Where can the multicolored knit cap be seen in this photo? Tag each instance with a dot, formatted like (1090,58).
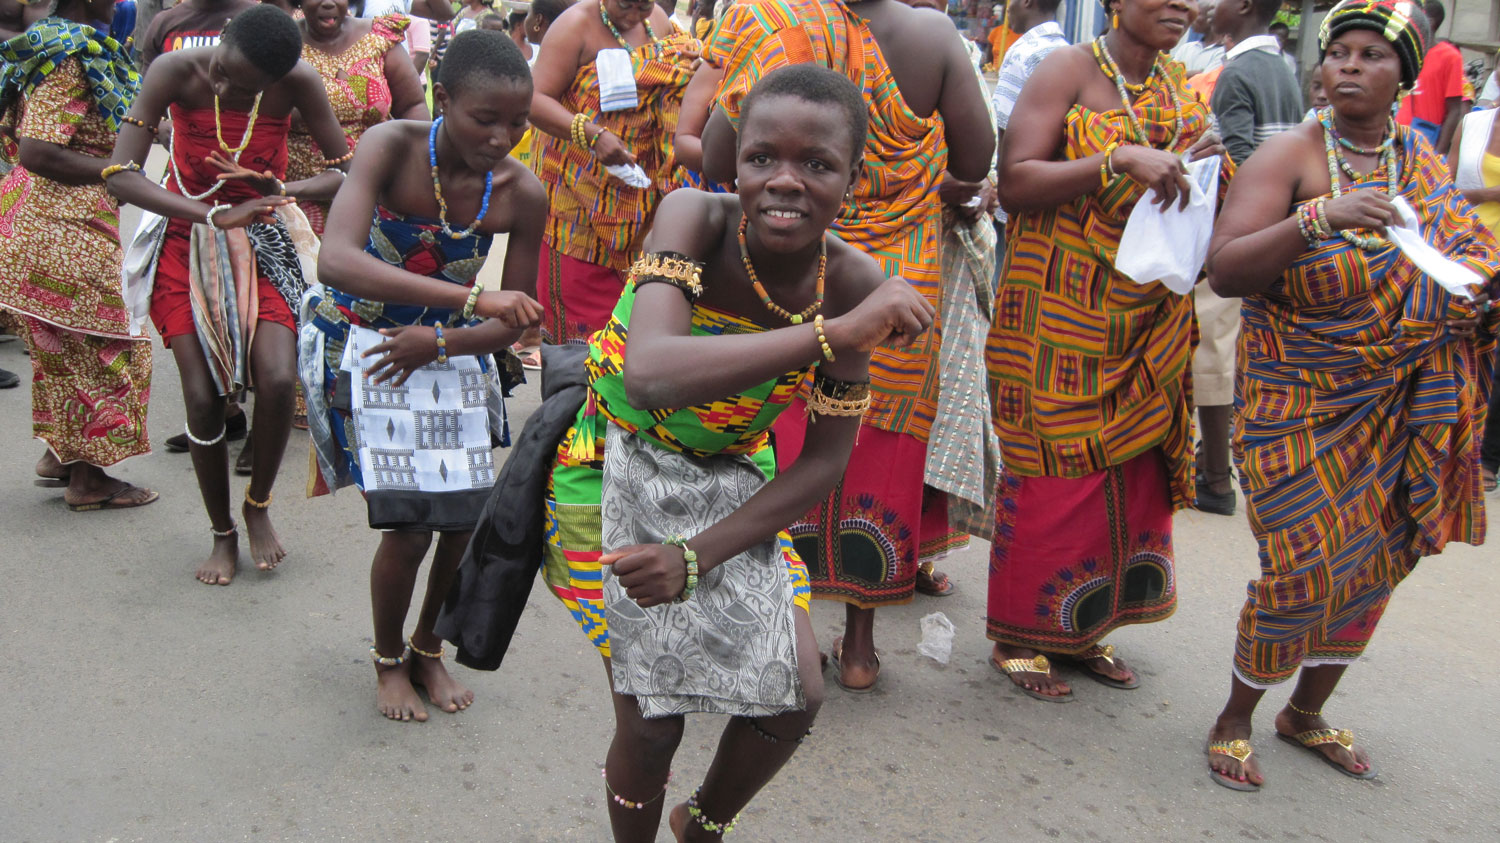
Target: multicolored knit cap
(1401,22)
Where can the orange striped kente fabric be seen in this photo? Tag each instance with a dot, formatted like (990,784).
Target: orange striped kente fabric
(1089,369)
(593,216)
(1358,415)
(896,216)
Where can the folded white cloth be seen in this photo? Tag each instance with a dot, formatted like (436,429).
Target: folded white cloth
(631,174)
(1452,276)
(1169,245)
(616,80)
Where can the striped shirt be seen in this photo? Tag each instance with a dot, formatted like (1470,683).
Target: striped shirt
(1021,61)
(1256,96)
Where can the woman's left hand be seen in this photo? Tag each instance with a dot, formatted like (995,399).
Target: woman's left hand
(651,574)
(265,182)
(1209,144)
(1465,325)
(407,349)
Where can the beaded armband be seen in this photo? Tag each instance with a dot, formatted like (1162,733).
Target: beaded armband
(135,121)
(673,268)
(113,169)
(342,159)
(833,397)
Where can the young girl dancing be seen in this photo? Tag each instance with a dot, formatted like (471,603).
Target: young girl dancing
(401,395)
(226,249)
(739,302)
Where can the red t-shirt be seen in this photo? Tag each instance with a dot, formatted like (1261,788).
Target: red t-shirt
(186,25)
(1441,79)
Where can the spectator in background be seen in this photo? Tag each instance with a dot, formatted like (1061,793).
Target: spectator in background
(1283,34)
(1254,96)
(1036,20)
(1200,50)
(418,35)
(192,23)
(1436,102)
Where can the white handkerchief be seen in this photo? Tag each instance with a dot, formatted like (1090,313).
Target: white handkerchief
(616,80)
(631,174)
(1169,245)
(1450,275)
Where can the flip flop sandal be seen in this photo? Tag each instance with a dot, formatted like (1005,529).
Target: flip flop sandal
(110,502)
(1238,749)
(531,358)
(932,586)
(48,482)
(1314,738)
(1106,652)
(835,658)
(1033,665)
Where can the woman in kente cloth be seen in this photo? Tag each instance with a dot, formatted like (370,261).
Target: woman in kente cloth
(402,396)
(64,92)
(609,84)
(1089,370)
(220,262)
(369,79)
(668,465)
(1362,382)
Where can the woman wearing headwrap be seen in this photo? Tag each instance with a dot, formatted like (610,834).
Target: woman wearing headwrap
(1362,383)
(63,94)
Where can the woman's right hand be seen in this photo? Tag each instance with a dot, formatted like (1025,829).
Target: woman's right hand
(610,150)
(1361,209)
(261,209)
(515,310)
(1155,168)
(895,314)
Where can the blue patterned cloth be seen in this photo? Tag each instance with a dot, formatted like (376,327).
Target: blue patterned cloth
(32,56)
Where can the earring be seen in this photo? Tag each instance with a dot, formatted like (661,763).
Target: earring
(1114,20)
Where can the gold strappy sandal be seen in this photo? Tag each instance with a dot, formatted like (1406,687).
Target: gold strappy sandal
(1238,749)
(1314,738)
(1039,664)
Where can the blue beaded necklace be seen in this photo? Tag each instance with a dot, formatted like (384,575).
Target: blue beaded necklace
(437,189)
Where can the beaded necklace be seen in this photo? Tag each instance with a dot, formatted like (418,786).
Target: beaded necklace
(249,127)
(437,189)
(1107,64)
(219,132)
(765,298)
(1392,177)
(1325,117)
(650,33)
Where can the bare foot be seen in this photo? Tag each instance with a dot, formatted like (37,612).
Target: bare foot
(1291,724)
(221,563)
(265,546)
(49,469)
(442,689)
(678,822)
(1226,766)
(394,695)
(1046,684)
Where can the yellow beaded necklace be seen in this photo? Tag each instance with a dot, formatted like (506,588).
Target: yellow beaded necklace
(249,127)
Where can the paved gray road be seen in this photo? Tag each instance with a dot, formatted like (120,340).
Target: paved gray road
(145,706)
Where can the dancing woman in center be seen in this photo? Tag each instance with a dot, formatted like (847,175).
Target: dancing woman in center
(668,465)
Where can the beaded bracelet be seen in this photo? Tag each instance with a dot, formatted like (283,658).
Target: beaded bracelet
(138,122)
(1304,224)
(342,159)
(1107,169)
(114,169)
(822,338)
(1320,219)
(473,302)
(577,129)
(209,217)
(442,344)
(690,557)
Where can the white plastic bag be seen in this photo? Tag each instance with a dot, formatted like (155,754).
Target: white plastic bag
(1450,275)
(937,637)
(1167,244)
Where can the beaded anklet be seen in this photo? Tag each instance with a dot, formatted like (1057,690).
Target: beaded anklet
(627,803)
(387,661)
(1304,713)
(224,534)
(265,504)
(412,645)
(770,738)
(696,813)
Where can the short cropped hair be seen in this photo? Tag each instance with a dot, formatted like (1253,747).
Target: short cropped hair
(268,37)
(551,10)
(477,53)
(818,85)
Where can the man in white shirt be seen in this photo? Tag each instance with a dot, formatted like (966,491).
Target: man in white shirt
(1036,20)
(1204,53)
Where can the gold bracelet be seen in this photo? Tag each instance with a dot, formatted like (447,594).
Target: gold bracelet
(115,169)
(822,338)
(473,301)
(832,397)
(577,129)
(1107,169)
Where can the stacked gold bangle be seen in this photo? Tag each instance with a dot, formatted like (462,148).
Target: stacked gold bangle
(114,169)
(1107,169)
(580,134)
(822,338)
